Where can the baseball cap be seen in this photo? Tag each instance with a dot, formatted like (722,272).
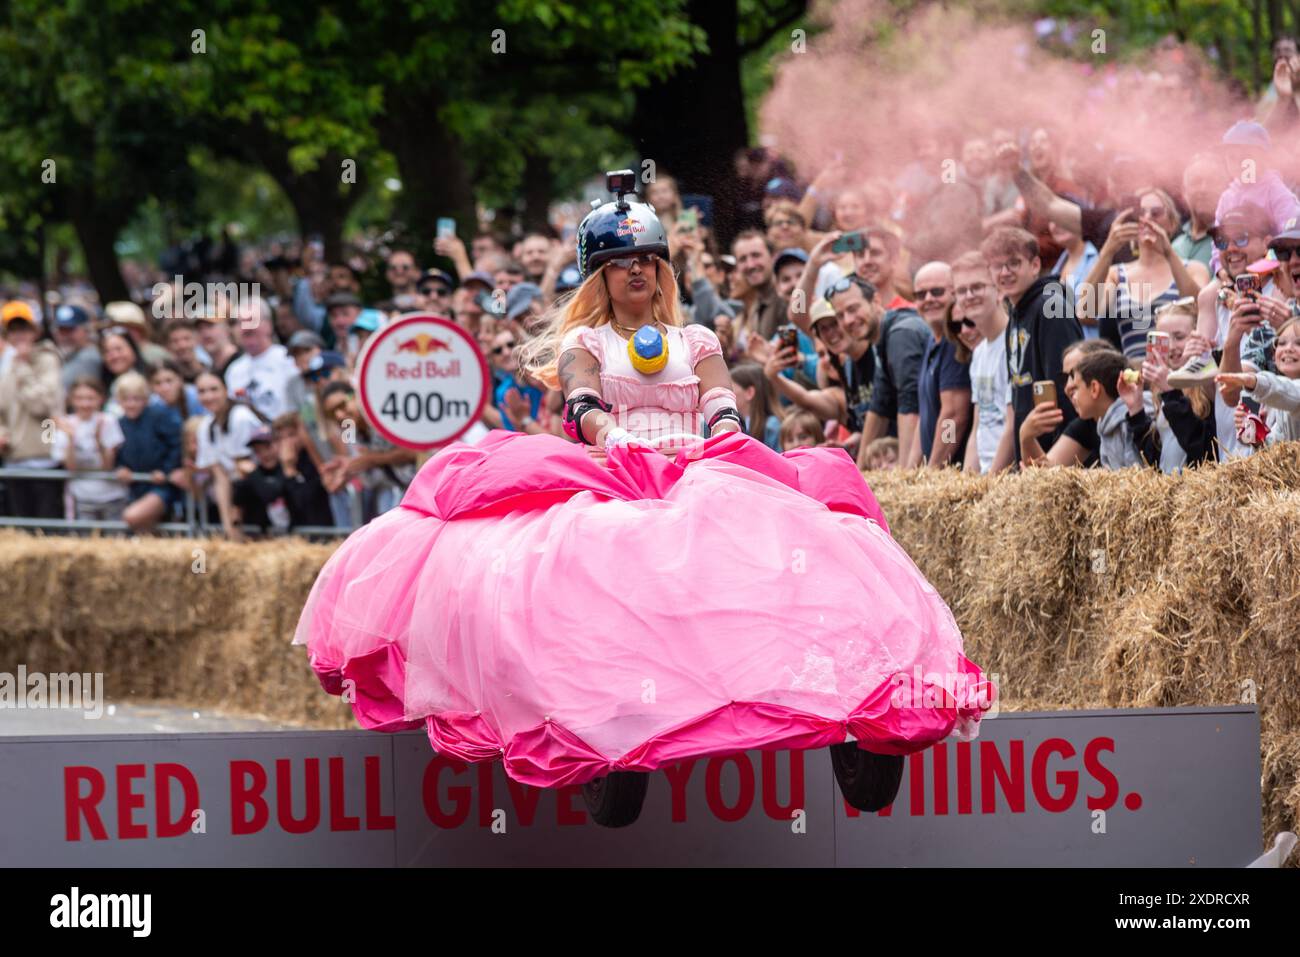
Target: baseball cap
(794,254)
(125,313)
(341,299)
(1290,230)
(480,276)
(784,188)
(368,320)
(1246,133)
(68,316)
(323,363)
(304,339)
(1254,218)
(569,278)
(520,298)
(16,310)
(821,309)
(437,275)
(261,434)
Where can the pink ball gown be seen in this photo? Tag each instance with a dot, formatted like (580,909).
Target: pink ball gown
(575,615)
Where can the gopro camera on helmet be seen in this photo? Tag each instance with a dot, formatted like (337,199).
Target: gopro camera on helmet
(620,182)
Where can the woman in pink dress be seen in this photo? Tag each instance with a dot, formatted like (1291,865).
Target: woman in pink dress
(590,611)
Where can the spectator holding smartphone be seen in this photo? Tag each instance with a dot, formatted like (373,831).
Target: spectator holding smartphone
(1114,292)
(1042,325)
(1183,431)
(151,443)
(1095,372)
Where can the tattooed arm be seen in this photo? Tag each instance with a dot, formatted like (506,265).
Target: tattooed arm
(578,369)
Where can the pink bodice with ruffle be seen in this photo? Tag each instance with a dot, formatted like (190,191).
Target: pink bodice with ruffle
(650,406)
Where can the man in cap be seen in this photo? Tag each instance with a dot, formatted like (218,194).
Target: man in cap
(341,310)
(31,393)
(436,287)
(525,307)
(72,333)
(1247,152)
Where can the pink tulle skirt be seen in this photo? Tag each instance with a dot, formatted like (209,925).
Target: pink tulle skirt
(572,617)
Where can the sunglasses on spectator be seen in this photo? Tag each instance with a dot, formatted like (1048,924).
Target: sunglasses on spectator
(974,289)
(434,290)
(962,323)
(316,375)
(843,285)
(1240,240)
(934,292)
(503,348)
(644,260)
(1284,253)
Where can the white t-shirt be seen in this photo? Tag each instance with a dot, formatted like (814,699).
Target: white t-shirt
(261,380)
(990,391)
(87,456)
(230,444)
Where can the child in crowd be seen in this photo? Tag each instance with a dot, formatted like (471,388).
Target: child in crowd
(1278,393)
(1183,431)
(1095,374)
(88,441)
(801,430)
(151,443)
(756,402)
(882,453)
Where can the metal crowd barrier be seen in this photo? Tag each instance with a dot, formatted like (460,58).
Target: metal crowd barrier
(196,524)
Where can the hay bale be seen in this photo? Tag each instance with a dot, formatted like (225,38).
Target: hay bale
(1280,784)
(925,509)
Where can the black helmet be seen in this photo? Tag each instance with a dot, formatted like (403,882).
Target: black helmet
(619,227)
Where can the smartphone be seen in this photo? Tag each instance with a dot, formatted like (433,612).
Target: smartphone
(1247,283)
(1158,344)
(788,337)
(853,242)
(690,218)
(1044,393)
(446,227)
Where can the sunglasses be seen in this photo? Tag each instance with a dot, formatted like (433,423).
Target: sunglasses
(934,292)
(1241,240)
(645,260)
(438,291)
(503,348)
(1284,253)
(962,323)
(974,289)
(845,284)
(316,375)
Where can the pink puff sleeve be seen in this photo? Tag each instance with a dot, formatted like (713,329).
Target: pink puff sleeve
(584,337)
(702,343)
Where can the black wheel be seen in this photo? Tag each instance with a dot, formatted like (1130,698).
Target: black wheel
(615,800)
(868,781)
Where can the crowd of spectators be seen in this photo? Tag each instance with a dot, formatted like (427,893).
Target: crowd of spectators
(1036,308)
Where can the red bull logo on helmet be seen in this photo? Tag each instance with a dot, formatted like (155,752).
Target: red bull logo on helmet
(629,227)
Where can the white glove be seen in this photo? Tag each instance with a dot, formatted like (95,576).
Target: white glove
(619,437)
